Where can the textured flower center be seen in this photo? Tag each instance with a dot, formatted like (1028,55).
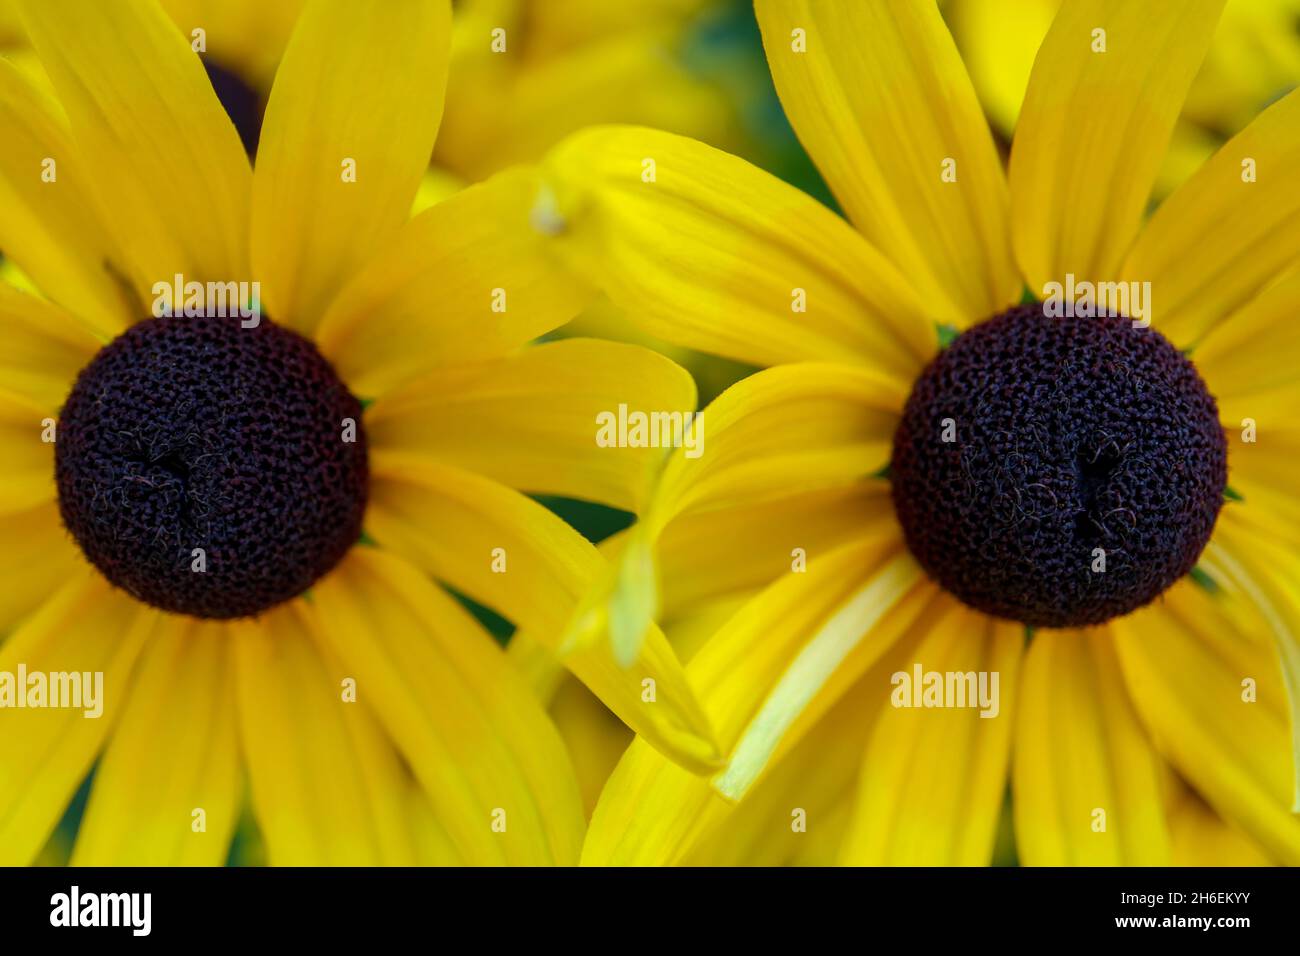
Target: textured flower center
(211,469)
(1058,472)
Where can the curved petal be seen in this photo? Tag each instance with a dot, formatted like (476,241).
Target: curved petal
(1269,577)
(1217,241)
(511,554)
(532,420)
(36,557)
(1187,663)
(1085,778)
(466,279)
(881,101)
(328,789)
(1103,97)
(802,427)
(706,251)
(164,160)
(654,812)
(29,458)
(487,755)
(45,753)
(50,228)
(168,788)
(933,780)
(347,136)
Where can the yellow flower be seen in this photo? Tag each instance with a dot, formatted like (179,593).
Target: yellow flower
(779,557)
(370,719)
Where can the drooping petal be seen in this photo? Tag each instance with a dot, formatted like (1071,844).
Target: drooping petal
(1228,232)
(162,158)
(511,554)
(487,755)
(706,251)
(880,99)
(169,786)
(467,279)
(347,136)
(533,421)
(1085,777)
(1103,98)
(1212,695)
(45,753)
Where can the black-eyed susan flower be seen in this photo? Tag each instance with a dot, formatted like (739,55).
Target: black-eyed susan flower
(950,539)
(198,512)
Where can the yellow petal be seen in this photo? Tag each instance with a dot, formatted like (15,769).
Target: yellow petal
(335,178)
(722,551)
(45,753)
(1085,778)
(881,101)
(1269,576)
(1200,837)
(37,556)
(44,347)
(487,755)
(653,812)
(933,780)
(163,159)
(1217,241)
(511,554)
(1215,703)
(29,457)
(467,279)
(706,251)
(1093,131)
(1262,473)
(1251,359)
(167,791)
(533,420)
(596,738)
(327,786)
(51,228)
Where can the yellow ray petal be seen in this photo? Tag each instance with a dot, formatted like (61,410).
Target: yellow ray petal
(335,181)
(653,812)
(29,456)
(45,753)
(1103,97)
(933,780)
(511,554)
(1215,703)
(168,788)
(594,735)
(728,550)
(1251,359)
(1262,473)
(489,758)
(802,427)
(43,347)
(881,101)
(1217,241)
(1085,778)
(533,420)
(327,786)
(466,279)
(1269,577)
(50,226)
(706,251)
(1200,837)
(36,557)
(162,157)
